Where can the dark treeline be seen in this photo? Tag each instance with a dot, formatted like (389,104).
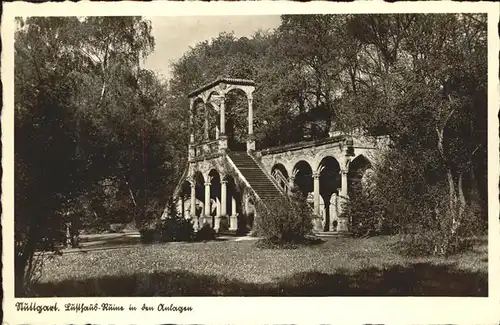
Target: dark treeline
(101,140)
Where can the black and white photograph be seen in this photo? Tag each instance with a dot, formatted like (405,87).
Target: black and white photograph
(277,155)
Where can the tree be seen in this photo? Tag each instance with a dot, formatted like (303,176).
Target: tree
(430,69)
(69,73)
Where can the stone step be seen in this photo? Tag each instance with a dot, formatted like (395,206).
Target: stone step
(333,234)
(254,175)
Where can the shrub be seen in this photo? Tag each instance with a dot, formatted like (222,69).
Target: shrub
(206,232)
(412,194)
(149,232)
(367,217)
(176,228)
(148,236)
(284,220)
(441,230)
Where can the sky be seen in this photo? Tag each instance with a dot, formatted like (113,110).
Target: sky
(174,35)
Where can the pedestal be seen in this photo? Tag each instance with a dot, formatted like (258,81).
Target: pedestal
(317,223)
(217,223)
(250,145)
(196,223)
(343,225)
(233,222)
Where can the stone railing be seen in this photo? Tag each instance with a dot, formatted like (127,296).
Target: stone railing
(206,148)
(282,181)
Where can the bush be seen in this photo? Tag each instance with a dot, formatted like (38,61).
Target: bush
(206,232)
(176,228)
(442,231)
(148,236)
(284,220)
(367,217)
(411,194)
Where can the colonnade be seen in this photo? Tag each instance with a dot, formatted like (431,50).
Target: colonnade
(216,96)
(221,206)
(335,200)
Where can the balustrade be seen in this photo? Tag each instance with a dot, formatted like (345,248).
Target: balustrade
(206,148)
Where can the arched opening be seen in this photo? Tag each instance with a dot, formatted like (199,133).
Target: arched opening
(198,120)
(329,183)
(281,175)
(246,220)
(233,206)
(215,187)
(183,202)
(213,115)
(236,119)
(357,169)
(199,193)
(212,121)
(303,177)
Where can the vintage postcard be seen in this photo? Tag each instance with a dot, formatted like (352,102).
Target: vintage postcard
(253,162)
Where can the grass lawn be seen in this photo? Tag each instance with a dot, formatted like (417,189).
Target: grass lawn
(340,266)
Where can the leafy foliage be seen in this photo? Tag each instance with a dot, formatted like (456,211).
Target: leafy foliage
(285,220)
(206,232)
(99,139)
(171,229)
(87,129)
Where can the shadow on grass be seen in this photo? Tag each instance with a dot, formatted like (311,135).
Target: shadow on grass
(420,279)
(120,242)
(266,244)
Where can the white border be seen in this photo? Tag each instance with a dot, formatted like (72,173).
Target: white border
(356,310)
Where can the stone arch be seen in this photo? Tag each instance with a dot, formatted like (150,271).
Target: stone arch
(215,195)
(199,182)
(182,205)
(329,180)
(329,183)
(233,205)
(223,86)
(357,169)
(302,172)
(212,100)
(198,114)
(212,95)
(236,125)
(283,180)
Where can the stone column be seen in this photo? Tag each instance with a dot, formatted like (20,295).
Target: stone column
(333,212)
(218,207)
(317,218)
(193,206)
(233,221)
(223,197)
(206,122)
(291,183)
(343,223)
(316,193)
(222,110)
(250,140)
(207,209)
(344,184)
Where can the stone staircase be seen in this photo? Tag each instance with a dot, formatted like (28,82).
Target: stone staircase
(255,176)
(333,234)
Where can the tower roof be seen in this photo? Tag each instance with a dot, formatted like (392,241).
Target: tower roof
(216,82)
